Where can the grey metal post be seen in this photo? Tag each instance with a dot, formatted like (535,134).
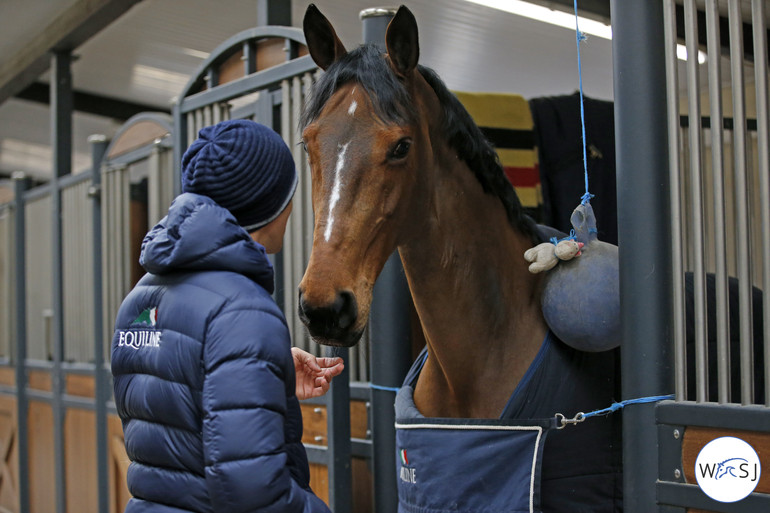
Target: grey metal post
(99,145)
(20,185)
(273,12)
(390,334)
(338,444)
(644,236)
(61,138)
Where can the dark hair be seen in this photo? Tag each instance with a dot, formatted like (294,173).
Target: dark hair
(366,66)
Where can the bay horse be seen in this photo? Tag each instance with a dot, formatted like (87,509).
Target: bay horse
(397,163)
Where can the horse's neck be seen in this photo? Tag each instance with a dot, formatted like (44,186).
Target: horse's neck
(478,304)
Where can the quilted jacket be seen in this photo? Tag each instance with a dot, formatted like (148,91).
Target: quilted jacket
(203,374)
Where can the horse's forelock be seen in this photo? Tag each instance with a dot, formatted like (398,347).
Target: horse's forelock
(366,66)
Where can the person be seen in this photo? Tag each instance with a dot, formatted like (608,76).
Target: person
(205,380)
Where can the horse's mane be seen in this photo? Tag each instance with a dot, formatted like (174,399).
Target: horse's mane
(392,103)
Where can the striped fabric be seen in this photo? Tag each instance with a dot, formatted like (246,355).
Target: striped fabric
(506,121)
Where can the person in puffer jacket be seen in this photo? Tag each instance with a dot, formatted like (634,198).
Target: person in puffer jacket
(202,364)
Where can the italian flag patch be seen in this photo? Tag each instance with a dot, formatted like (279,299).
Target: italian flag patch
(149,316)
(404,459)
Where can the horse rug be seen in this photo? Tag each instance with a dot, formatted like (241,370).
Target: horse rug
(520,462)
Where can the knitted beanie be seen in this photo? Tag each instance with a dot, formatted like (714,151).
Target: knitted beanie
(243,166)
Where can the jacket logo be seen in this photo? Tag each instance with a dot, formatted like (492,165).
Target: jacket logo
(407,474)
(139,338)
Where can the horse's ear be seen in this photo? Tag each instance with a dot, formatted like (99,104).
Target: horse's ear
(401,41)
(322,41)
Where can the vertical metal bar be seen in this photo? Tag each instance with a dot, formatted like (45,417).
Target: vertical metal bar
(763,164)
(645,262)
(180,135)
(102,394)
(677,292)
(61,138)
(390,335)
(717,166)
(289,238)
(20,185)
(339,446)
(297,260)
(742,231)
(696,202)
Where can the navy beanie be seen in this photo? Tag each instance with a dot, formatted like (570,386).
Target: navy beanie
(243,166)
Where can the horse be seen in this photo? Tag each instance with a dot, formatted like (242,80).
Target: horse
(397,163)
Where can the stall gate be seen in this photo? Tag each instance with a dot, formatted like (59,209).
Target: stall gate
(719,228)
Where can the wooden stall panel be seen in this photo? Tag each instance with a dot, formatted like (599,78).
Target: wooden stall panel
(313,424)
(80,385)
(42,475)
(80,461)
(319,481)
(9,455)
(7,376)
(39,380)
(118,466)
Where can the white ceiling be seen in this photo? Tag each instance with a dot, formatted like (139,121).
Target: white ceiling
(147,55)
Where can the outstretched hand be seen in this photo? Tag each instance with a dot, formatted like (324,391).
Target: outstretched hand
(314,374)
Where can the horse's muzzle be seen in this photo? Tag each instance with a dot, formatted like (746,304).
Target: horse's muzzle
(331,324)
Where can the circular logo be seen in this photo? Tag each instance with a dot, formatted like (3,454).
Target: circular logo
(727,469)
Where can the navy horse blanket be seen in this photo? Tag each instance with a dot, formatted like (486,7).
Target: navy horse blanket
(520,462)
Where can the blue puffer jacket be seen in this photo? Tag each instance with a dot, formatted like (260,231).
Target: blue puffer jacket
(203,374)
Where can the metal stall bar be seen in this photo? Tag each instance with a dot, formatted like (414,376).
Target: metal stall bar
(20,186)
(102,393)
(742,231)
(61,138)
(763,150)
(677,252)
(389,334)
(645,262)
(718,179)
(696,202)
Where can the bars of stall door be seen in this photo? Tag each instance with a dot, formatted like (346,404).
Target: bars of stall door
(718,198)
(672,114)
(696,202)
(763,165)
(742,204)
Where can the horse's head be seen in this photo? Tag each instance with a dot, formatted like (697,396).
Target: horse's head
(366,135)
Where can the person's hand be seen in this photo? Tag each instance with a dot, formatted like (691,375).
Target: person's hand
(314,374)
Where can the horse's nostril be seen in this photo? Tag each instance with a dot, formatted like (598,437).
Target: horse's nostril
(330,320)
(346,309)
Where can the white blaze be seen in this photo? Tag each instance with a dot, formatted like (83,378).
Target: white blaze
(352,108)
(335,189)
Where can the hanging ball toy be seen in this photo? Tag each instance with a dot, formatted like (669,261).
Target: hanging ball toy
(581,296)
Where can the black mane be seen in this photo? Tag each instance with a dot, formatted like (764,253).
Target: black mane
(393,104)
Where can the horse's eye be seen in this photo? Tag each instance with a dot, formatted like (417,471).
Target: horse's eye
(401,149)
(304,145)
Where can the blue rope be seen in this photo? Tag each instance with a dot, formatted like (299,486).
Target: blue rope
(617,406)
(380,387)
(571,236)
(579,36)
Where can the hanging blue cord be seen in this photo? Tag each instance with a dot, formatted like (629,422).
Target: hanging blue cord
(622,404)
(579,36)
(562,421)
